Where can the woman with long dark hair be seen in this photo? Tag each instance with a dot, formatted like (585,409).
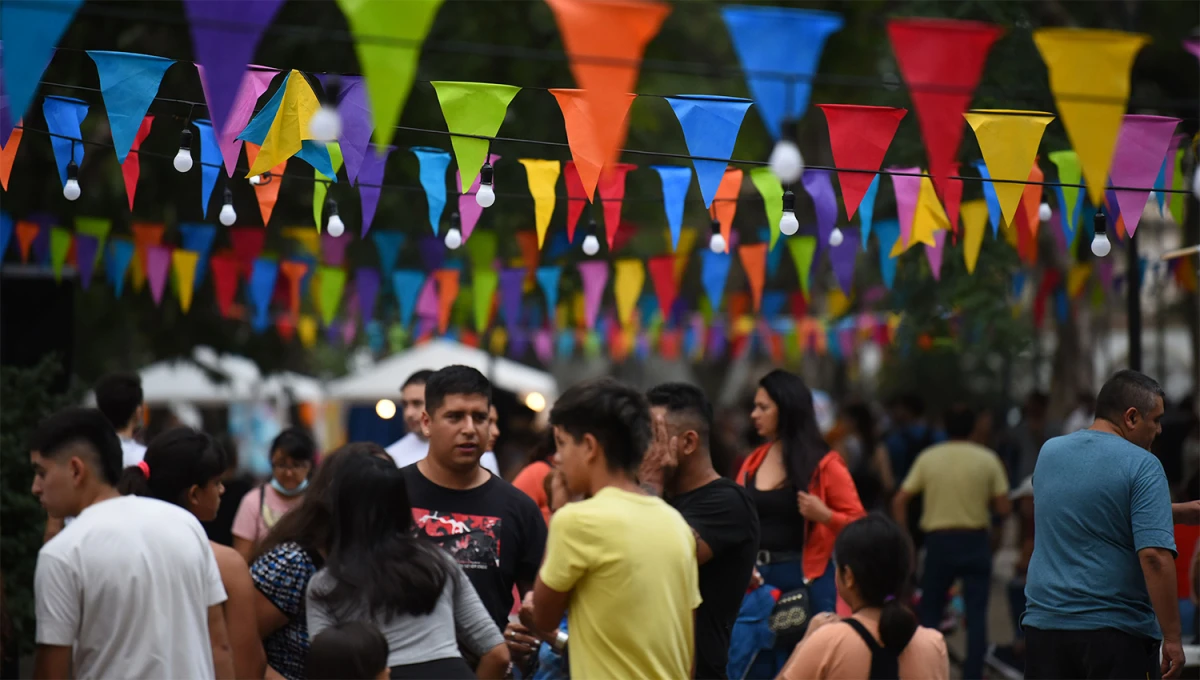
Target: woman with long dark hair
(184,467)
(379,570)
(882,638)
(804,496)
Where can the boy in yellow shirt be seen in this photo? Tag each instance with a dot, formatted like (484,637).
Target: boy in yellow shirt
(622,564)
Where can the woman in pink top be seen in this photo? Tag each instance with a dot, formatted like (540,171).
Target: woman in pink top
(881,639)
(292,455)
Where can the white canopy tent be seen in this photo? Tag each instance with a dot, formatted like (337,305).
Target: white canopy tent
(382,380)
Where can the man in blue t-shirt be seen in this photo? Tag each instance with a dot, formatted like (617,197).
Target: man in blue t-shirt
(1100,593)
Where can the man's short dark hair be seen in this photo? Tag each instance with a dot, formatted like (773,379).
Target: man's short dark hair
(454,380)
(118,397)
(959,421)
(687,400)
(1125,390)
(421,377)
(617,415)
(57,436)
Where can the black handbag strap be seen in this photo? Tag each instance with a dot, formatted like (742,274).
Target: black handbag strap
(885,663)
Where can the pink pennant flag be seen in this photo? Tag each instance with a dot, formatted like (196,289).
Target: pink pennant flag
(255,82)
(1141,146)
(468,210)
(907,188)
(158,264)
(594,274)
(427,301)
(333,249)
(543,345)
(934,253)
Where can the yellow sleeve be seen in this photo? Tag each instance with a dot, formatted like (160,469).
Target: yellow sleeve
(999,477)
(694,576)
(915,482)
(569,552)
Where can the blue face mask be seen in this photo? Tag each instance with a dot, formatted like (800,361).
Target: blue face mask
(284,491)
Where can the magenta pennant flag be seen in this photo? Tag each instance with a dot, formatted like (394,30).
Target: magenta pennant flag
(349,332)
(86,246)
(255,82)
(225,34)
(907,189)
(1141,146)
(843,257)
(594,274)
(370,182)
(512,289)
(427,301)
(1192,45)
(333,249)
(158,264)
(543,345)
(366,288)
(469,210)
(934,253)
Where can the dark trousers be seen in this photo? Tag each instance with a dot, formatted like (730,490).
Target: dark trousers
(950,556)
(1087,654)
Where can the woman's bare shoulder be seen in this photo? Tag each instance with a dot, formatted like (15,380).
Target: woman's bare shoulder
(228,559)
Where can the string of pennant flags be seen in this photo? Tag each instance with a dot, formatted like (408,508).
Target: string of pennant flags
(1118,159)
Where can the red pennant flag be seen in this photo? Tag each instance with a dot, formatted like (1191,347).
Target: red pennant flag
(799,305)
(27,233)
(224,267)
(1050,280)
(953,196)
(737,305)
(577,198)
(941,61)
(625,234)
(447,287)
(612,193)
(669,343)
(247,246)
(754,260)
(859,137)
(469,338)
(724,206)
(528,243)
(8,154)
(132,167)
(285,326)
(589,136)
(662,273)
(293,271)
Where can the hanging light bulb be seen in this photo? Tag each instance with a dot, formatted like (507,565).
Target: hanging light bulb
(256,180)
(228,216)
(836,237)
(1196,182)
(717,242)
(485,196)
(786,161)
(1100,243)
(71,189)
(183,158)
(788,224)
(591,244)
(454,237)
(326,123)
(334,225)
(1044,213)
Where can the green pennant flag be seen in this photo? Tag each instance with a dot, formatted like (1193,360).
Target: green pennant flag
(803,249)
(321,189)
(97,227)
(481,249)
(473,109)
(486,281)
(60,245)
(397,338)
(332,281)
(1175,202)
(772,194)
(1069,172)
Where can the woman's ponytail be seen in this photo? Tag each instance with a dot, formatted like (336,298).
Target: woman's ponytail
(135,480)
(897,624)
(879,556)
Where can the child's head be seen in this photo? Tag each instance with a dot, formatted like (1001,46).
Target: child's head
(348,651)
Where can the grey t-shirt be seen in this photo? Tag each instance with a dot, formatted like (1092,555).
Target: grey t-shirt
(458,616)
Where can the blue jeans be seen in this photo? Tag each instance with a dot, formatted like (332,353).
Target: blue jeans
(787,576)
(953,555)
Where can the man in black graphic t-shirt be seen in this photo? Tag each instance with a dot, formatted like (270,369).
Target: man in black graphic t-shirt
(494,531)
(679,466)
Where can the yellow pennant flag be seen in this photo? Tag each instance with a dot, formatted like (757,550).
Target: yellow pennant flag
(929,217)
(1089,77)
(1077,278)
(974,223)
(687,243)
(1009,142)
(837,303)
(631,275)
(542,176)
(499,341)
(309,240)
(289,130)
(306,328)
(183,263)
(320,188)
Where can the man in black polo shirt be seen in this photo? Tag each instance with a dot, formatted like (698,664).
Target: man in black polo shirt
(679,466)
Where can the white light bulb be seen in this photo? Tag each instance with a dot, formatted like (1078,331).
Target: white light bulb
(227,216)
(1044,212)
(786,161)
(325,125)
(789,224)
(485,197)
(591,245)
(453,239)
(1152,197)
(717,243)
(71,190)
(1101,245)
(334,227)
(1196,182)
(836,237)
(256,180)
(183,160)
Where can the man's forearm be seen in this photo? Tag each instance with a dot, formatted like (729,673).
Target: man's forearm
(1186,513)
(1158,568)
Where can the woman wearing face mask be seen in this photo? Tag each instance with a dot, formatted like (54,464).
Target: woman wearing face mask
(184,467)
(292,455)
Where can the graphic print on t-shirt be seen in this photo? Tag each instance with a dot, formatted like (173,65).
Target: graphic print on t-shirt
(473,540)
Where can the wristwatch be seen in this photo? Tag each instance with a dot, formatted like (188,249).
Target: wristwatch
(559,644)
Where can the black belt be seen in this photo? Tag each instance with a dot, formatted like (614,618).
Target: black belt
(778,556)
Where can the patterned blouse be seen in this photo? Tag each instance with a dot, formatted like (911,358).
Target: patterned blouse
(282,575)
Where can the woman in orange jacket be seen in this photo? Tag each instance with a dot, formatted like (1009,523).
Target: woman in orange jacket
(804,495)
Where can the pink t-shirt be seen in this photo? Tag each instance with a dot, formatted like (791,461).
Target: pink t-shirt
(251,524)
(835,650)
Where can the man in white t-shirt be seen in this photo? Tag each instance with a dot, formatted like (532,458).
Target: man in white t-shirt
(119,397)
(132,589)
(414,446)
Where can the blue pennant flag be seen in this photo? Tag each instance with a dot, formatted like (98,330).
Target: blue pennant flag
(647,306)
(770,41)
(714,272)
(120,254)
(548,278)
(989,195)
(407,283)
(6,232)
(387,246)
(433,163)
(262,288)
(887,231)
(29,31)
(774,255)
(866,210)
(210,164)
(566,344)
(198,238)
(1018,283)
(312,152)
(710,128)
(128,83)
(675,182)
(773,303)
(63,117)
(557,245)
(375,339)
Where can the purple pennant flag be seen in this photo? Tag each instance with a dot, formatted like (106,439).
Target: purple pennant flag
(349,332)
(158,264)
(41,242)
(845,336)
(333,332)
(512,289)
(357,124)
(518,342)
(1057,230)
(224,46)
(468,210)
(366,285)
(426,325)
(85,257)
(433,253)
(370,181)
(333,249)
(543,345)
(716,340)
(1104,272)
(842,257)
(934,254)
(819,186)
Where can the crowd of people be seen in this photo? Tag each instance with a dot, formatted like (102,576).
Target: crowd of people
(621,550)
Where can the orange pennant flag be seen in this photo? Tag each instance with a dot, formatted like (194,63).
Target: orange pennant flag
(8,154)
(146,235)
(754,261)
(724,206)
(527,241)
(27,233)
(590,136)
(293,271)
(447,287)
(1031,198)
(267,190)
